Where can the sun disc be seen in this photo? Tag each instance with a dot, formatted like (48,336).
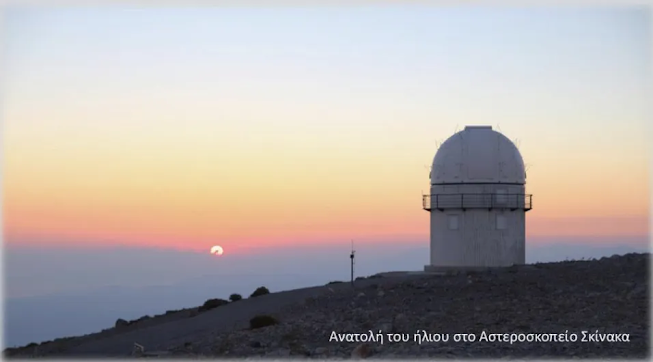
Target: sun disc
(217,250)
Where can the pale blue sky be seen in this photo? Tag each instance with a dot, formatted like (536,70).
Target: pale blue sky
(398,67)
(416,51)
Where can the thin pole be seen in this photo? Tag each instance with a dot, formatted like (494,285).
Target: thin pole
(351,256)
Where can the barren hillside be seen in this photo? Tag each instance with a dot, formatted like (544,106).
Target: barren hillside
(603,303)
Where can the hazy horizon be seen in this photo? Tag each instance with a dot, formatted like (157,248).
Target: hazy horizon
(135,139)
(97,293)
(71,269)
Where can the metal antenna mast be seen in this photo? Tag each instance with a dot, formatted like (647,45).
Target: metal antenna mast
(351,256)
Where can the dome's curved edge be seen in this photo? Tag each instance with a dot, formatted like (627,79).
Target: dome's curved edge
(454,164)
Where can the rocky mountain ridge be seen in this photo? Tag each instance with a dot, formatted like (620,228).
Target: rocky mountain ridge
(595,308)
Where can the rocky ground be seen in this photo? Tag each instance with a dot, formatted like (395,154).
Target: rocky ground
(604,298)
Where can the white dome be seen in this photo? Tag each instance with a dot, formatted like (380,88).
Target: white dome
(478,154)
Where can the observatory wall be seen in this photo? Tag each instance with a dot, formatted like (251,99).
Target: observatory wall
(477,237)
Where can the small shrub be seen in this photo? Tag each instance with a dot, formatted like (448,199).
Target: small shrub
(212,303)
(260,291)
(235,297)
(261,321)
(121,323)
(31,345)
(168,312)
(143,318)
(335,282)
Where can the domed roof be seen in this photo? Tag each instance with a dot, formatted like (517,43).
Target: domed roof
(478,154)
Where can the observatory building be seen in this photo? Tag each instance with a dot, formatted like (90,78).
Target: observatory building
(477,203)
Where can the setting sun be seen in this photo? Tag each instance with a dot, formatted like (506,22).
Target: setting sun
(217,250)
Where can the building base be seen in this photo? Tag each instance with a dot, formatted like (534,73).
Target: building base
(439,270)
(456,269)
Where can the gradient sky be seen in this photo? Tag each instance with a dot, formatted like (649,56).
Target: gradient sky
(259,127)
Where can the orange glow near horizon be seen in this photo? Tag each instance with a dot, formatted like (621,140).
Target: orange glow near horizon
(165,200)
(154,196)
